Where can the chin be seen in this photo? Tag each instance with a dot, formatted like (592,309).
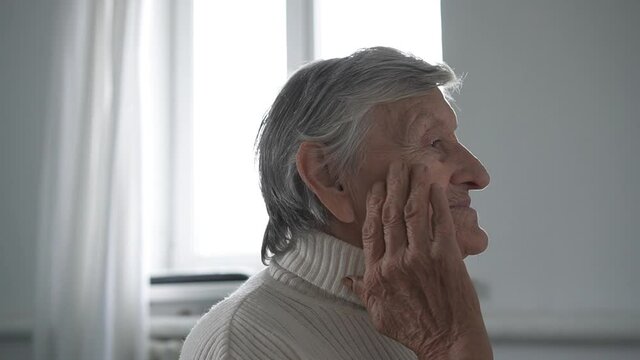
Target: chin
(472,240)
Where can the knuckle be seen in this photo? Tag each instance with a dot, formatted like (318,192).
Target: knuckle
(395,182)
(372,219)
(393,269)
(374,205)
(373,210)
(370,230)
(391,215)
(411,209)
(414,260)
(376,199)
(387,269)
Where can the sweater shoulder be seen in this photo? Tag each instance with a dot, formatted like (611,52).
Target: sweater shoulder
(230,330)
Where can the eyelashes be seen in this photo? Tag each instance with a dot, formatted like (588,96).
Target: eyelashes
(429,147)
(434,142)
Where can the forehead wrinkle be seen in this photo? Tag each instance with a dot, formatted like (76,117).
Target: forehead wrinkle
(420,123)
(426,120)
(408,111)
(405,121)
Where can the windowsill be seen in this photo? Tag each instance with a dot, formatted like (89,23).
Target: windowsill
(614,328)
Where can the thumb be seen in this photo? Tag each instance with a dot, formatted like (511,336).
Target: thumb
(355,284)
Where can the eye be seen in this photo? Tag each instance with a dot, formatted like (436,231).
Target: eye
(434,142)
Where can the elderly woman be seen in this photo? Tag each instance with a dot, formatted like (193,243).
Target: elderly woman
(367,191)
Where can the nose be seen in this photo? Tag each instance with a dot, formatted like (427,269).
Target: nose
(469,171)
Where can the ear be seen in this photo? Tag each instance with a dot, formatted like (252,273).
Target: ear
(310,164)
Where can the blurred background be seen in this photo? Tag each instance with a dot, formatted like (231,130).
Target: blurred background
(129,198)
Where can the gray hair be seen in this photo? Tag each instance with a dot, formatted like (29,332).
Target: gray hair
(327,102)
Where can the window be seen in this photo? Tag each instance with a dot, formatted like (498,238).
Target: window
(226,63)
(408,25)
(239,63)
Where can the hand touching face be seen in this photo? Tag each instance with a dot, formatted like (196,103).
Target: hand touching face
(416,287)
(421,131)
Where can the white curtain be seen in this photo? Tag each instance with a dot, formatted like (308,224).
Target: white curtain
(91,280)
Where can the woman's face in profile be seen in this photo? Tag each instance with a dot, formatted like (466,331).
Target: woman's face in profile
(421,130)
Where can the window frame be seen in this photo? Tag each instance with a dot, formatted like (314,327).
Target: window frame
(176,253)
(177,245)
(180,239)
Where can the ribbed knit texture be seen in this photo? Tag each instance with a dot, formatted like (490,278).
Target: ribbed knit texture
(297,308)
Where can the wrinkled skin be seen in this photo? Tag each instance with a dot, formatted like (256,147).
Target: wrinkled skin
(416,287)
(418,130)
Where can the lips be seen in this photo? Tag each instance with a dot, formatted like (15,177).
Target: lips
(462,203)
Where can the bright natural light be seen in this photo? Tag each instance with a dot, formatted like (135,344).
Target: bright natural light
(239,64)
(409,25)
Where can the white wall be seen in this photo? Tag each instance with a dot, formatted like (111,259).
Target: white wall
(25,28)
(550,105)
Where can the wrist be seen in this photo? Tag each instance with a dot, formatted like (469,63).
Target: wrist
(469,347)
(476,347)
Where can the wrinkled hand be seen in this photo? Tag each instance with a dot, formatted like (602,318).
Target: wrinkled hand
(416,287)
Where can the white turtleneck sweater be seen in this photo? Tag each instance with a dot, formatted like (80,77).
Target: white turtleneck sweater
(297,308)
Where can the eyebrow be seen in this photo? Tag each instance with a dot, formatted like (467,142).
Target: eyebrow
(432,120)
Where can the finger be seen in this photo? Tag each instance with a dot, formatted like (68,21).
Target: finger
(355,284)
(444,233)
(416,211)
(372,232)
(395,234)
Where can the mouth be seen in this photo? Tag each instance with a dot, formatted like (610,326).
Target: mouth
(462,208)
(464,203)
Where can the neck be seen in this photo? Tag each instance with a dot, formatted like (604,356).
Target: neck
(350,233)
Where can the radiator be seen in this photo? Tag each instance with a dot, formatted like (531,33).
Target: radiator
(175,307)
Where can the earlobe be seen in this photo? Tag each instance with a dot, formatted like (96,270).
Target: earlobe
(316,175)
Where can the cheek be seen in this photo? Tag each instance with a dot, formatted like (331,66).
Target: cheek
(439,172)
(359,186)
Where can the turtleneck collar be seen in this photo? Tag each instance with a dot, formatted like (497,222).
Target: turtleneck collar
(323,261)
